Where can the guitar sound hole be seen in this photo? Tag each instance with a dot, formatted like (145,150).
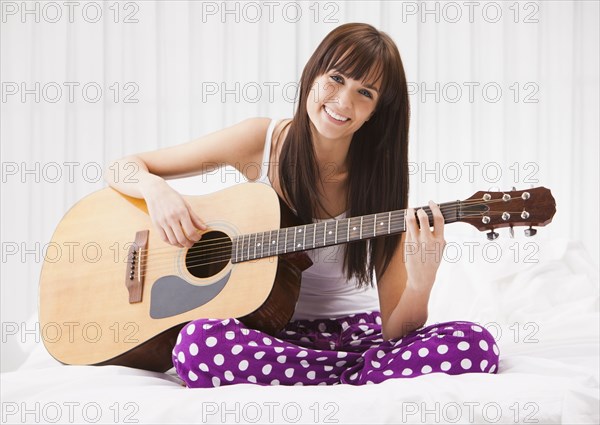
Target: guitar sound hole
(209,255)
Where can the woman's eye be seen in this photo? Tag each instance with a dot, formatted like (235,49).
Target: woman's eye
(339,79)
(367,93)
(336,76)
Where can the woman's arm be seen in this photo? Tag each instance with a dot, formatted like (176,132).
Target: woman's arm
(405,287)
(143,175)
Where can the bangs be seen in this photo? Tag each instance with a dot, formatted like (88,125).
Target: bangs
(363,61)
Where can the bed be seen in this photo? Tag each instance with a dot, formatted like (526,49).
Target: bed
(540,301)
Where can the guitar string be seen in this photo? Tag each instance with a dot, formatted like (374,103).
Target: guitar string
(210,246)
(227,257)
(395,220)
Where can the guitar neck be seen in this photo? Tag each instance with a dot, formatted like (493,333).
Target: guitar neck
(253,246)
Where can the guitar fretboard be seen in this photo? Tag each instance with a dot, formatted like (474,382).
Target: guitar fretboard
(253,246)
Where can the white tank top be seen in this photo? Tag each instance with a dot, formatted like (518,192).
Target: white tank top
(325,292)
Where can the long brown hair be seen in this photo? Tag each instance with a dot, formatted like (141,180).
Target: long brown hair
(378,153)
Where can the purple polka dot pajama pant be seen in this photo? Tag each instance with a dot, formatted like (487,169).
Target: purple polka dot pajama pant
(349,350)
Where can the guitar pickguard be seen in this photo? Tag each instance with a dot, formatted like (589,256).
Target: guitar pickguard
(172,295)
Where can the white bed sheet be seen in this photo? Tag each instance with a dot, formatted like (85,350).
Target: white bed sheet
(543,314)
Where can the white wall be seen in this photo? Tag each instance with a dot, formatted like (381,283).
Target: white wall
(540,129)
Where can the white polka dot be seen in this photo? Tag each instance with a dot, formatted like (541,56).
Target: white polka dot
(290,332)
(267,369)
(354,342)
(442,349)
(333,375)
(211,341)
(354,376)
(281,359)
(495,348)
(203,367)
(395,350)
(228,375)
(340,363)
(229,335)
(426,369)
(236,349)
(206,326)
(245,331)
(445,366)
(192,376)
(304,363)
(253,344)
(311,374)
(179,339)
(193,349)
(216,381)
(378,320)
(267,341)
(458,333)
(448,327)
(484,345)
(275,382)
(380,354)
(463,346)
(341,354)
(259,355)
(278,349)
(363,327)
(219,359)
(320,359)
(375,364)
(432,331)
(243,365)
(483,365)
(302,353)
(181,357)
(388,372)
(492,369)
(289,372)
(423,352)
(190,330)
(298,384)
(476,328)
(407,372)
(327,368)
(225,322)
(406,355)
(362,321)
(465,363)
(252,379)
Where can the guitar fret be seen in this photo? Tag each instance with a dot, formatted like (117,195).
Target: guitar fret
(325,234)
(336,229)
(314,233)
(360,230)
(348,235)
(304,239)
(375,226)
(285,243)
(262,245)
(389,221)
(294,241)
(254,243)
(277,244)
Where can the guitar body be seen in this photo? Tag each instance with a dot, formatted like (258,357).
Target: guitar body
(87,316)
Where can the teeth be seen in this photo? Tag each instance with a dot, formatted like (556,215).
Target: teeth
(334,115)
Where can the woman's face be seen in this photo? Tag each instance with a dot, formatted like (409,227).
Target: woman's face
(338,106)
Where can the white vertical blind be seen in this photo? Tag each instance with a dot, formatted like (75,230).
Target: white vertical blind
(185,69)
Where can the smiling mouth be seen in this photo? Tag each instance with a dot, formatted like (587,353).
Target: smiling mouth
(339,118)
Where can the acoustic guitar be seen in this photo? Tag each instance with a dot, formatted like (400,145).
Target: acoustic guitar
(113,293)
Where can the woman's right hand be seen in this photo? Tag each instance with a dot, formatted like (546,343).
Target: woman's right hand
(172,216)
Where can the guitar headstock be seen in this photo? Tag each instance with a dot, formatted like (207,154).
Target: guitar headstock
(487,210)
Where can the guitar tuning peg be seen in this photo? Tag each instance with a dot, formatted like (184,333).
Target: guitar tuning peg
(491,235)
(530,232)
(511,232)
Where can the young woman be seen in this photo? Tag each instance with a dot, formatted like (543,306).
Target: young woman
(344,153)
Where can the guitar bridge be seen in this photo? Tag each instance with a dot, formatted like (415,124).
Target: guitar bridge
(134,274)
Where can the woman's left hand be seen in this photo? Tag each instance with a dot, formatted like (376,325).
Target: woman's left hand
(423,247)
